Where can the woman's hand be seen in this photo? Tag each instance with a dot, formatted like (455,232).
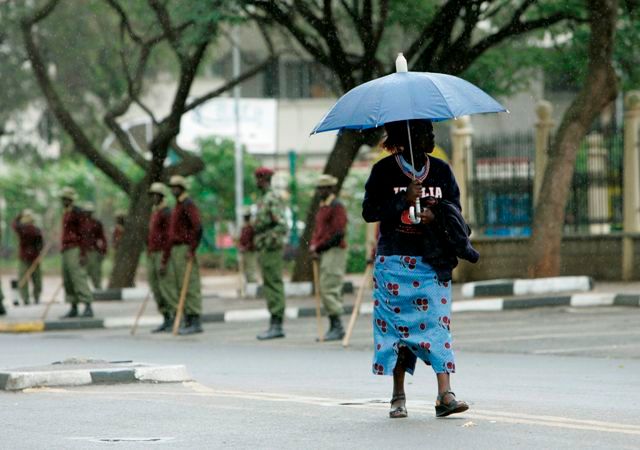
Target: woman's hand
(426,216)
(414,191)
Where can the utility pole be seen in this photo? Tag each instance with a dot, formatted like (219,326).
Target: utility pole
(239,172)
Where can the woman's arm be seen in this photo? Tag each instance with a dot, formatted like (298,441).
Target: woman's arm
(380,203)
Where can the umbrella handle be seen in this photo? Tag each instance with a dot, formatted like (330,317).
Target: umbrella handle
(414,212)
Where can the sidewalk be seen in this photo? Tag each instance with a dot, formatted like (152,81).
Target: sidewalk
(222,304)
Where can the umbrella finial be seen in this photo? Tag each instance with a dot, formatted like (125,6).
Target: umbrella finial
(401,63)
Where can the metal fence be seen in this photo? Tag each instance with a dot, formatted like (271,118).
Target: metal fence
(595,200)
(502,185)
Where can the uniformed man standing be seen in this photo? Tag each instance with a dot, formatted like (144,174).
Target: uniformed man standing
(247,248)
(2,310)
(74,256)
(96,245)
(30,238)
(270,230)
(185,233)
(161,280)
(329,246)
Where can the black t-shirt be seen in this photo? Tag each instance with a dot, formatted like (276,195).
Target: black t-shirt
(384,201)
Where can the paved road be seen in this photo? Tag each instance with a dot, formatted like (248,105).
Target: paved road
(548,378)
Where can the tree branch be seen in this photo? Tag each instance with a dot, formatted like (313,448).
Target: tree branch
(124,19)
(437,34)
(514,28)
(190,163)
(71,127)
(232,83)
(287,20)
(165,22)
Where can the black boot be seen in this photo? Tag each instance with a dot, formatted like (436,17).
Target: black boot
(2,310)
(73,312)
(166,326)
(336,332)
(192,325)
(274,331)
(88,312)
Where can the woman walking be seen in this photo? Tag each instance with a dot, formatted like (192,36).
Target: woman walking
(414,261)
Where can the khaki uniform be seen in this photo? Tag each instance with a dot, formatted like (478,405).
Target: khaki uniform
(163,287)
(75,278)
(94,268)
(178,260)
(250,262)
(36,279)
(332,268)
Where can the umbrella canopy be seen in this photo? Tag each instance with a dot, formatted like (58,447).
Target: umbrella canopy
(407,95)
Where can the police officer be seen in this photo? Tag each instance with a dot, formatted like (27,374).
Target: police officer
(161,280)
(2,310)
(185,233)
(96,245)
(329,246)
(74,256)
(118,230)
(30,239)
(270,230)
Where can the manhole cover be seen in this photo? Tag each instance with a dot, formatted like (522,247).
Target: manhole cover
(363,402)
(116,440)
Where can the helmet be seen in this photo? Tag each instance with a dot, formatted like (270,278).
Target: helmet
(326,180)
(88,207)
(157,188)
(178,180)
(68,193)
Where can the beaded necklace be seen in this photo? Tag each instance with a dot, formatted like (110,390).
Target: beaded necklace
(410,172)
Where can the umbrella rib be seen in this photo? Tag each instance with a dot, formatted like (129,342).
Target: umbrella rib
(432,80)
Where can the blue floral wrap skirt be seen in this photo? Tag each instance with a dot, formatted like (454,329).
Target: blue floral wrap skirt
(411,309)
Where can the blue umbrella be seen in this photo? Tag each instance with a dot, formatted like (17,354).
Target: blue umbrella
(407,95)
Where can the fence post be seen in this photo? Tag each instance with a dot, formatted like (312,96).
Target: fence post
(544,124)
(631,177)
(461,162)
(598,193)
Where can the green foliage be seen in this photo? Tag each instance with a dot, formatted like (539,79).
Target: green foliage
(38,190)
(214,187)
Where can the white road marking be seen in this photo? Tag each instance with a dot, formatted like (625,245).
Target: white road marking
(552,336)
(379,405)
(547,351)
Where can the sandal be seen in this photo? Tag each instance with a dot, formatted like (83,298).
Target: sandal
(399,412)
(453,407)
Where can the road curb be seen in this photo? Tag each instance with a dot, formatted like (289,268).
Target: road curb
(259,314)
(253,290)
(510,287)
(76,375)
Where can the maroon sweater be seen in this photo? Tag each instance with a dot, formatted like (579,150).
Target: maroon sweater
(185,227)
(73,229)
(30,238)
(158,239)
(245,243)
(96,240)
(331,225)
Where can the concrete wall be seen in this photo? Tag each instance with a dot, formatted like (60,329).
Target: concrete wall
(596,256)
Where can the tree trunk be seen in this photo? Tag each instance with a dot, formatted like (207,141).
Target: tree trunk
(599,90)
(134,238)
(340,160)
